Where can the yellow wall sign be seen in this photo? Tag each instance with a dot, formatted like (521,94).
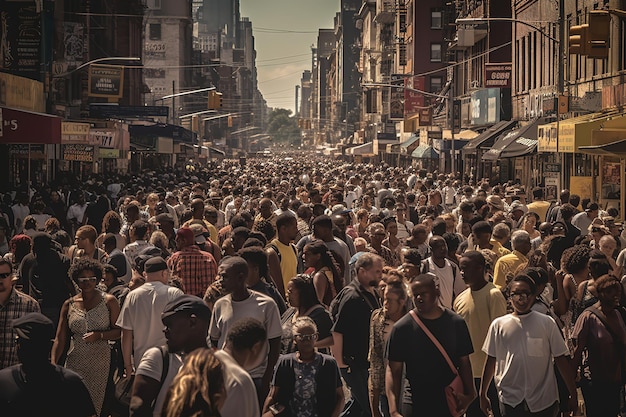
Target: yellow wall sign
(583,186)
(21,93)
(547,138)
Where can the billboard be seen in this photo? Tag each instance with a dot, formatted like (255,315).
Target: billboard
(106,81)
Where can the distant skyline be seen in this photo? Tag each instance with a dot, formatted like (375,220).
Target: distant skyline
(284,31)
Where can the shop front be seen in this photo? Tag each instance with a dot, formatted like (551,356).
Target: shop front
(113,143)
(27,162)
(474,166)
(608,148)
(515,153)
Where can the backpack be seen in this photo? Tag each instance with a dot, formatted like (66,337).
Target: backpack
(426,269)
(275,248)
(123,388)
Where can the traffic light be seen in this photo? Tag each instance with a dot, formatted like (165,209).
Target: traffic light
(215,100)
(578,39)
(218,101)
(598,34)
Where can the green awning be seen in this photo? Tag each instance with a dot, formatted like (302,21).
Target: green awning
(410,141)
(424,152)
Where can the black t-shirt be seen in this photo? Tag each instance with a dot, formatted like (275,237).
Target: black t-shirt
(353,321)
(426,369)
(55,392)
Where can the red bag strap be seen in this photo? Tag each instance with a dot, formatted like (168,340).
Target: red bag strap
(435,342)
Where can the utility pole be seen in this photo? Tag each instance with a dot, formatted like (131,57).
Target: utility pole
(451,120)
(297,90)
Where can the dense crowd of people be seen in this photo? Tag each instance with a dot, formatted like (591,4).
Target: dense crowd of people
(304,287)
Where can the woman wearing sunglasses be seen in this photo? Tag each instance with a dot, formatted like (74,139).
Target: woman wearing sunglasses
(306,383)
(88,319)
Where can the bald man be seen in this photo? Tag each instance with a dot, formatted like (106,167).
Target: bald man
(428,373)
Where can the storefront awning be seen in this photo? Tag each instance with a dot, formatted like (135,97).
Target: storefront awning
(19,126)
(617,148)
(141,148)
(410,141)
(487,138)
(366,149)
(425,152)
(216,151)
(515,143)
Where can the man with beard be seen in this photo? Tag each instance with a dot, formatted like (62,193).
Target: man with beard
(351,330)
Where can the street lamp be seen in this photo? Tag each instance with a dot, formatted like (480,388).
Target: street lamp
(95,61)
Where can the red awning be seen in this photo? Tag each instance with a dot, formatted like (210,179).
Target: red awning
(19,126)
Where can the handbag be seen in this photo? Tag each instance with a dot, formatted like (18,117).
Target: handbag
(123,391)
(454,387)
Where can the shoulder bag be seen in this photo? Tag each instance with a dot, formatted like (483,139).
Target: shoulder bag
(456,386)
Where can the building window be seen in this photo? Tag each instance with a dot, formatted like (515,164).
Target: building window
(435,52)
(436,19)
(436,83)
(155,32)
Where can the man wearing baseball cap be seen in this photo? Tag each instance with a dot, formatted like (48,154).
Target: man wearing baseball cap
(140,317)
(35,387)
(186,320)
(196,268)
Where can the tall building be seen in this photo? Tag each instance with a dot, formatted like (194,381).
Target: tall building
(167,54)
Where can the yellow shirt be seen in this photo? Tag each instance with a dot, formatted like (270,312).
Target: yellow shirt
(479,309)
(506,267)
(540,207)
(288,261)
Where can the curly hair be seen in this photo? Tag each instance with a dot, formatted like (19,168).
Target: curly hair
(112,222)
(85,264)
(575,259)
(20,245)
(194,389)
(265,227)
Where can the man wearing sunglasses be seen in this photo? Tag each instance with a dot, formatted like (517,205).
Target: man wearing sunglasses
(13,304)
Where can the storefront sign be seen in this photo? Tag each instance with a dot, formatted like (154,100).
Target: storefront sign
(77,152)
(72,132)
(21,93)
(567,137)
(109,153)
(413,100)
(498,75)
(547,138)
(23,151)
(106,81)
(26,127)
(105,138)
(155,49)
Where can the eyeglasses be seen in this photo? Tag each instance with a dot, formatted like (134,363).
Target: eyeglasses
(5,275)
(521,295)
(82,280)
(305,337)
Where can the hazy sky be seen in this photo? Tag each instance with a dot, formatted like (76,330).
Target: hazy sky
(284,31)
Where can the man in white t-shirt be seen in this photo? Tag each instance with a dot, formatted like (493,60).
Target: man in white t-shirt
(186,321)
(244,343)
(448,278)
(140,316)
(240,303)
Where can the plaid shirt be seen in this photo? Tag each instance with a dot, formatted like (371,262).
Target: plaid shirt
(196,269)
(17,305)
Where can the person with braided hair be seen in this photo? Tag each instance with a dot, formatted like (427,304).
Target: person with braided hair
(322,266)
